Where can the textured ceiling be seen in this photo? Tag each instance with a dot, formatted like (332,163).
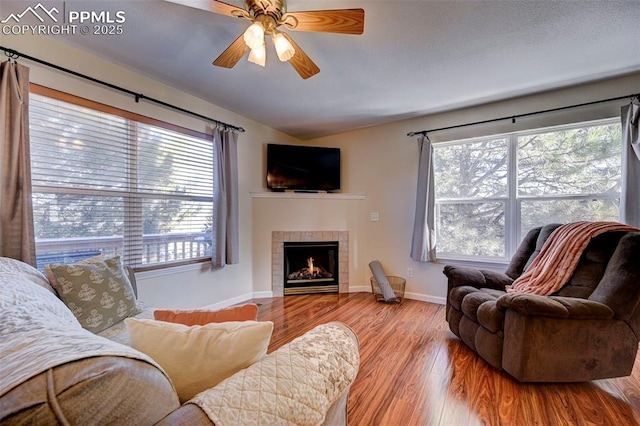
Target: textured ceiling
(414,58)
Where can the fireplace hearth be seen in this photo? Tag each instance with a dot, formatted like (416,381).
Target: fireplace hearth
(311,267)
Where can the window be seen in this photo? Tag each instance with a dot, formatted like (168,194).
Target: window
(110,182)
(491,191)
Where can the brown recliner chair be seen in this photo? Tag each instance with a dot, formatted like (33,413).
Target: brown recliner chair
(587,330)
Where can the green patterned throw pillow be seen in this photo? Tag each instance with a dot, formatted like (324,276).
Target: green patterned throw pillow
(96,290)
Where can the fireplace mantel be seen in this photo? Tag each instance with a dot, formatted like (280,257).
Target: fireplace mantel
(310,195)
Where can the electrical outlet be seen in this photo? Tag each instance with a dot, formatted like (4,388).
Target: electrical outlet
(409,272)
(375,216)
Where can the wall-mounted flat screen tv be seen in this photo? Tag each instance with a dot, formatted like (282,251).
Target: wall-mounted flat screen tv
(303,168)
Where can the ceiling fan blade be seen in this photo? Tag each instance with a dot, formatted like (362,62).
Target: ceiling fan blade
(230,57)
(301,62)
(343,21)
(213,6)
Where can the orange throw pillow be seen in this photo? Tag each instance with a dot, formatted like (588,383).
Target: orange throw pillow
(246,312)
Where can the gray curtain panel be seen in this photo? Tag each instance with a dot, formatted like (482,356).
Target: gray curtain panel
(225,248)
(16,213)
(630,195)
(423,243)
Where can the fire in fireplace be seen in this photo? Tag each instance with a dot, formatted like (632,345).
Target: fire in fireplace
(310,272)
(310,267)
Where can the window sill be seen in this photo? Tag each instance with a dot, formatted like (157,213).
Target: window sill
(204,265)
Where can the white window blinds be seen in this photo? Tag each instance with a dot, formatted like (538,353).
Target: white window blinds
(105,183)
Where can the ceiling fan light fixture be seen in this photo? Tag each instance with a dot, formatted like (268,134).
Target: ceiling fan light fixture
(265,17)
(254,36)
(284,49)
(258,56)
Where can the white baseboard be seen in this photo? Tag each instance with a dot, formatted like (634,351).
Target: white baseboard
(262,294)
(359,289)
(413,296)
(239,299)
(229,302)
(426,298)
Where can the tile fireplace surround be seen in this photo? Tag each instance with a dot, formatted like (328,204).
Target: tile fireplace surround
(278,238)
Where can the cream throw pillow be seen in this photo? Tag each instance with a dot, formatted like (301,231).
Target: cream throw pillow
(199,357)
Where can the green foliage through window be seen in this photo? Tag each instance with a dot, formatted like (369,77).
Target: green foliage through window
(108,184)
(491,191)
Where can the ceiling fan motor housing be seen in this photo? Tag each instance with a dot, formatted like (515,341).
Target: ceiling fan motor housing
(271,8)
(266,16)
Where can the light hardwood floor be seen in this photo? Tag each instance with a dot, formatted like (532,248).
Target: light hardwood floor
(414,371)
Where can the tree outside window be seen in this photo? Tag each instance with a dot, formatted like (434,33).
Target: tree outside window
(491,191)
(108,184)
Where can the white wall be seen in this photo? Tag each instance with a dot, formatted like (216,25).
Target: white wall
(182,287)
(303,214)
(381,162)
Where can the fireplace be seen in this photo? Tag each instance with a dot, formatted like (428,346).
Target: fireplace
(279,238)
(311,267)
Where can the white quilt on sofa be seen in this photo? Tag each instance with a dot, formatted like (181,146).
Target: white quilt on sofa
(38,332)
(294,385)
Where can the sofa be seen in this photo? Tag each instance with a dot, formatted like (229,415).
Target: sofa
(586,330)
(53,370)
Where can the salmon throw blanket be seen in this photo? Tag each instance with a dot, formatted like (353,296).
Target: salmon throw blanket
(560,255)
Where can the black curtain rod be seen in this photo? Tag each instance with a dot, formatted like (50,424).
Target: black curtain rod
(14,54)
(514,117)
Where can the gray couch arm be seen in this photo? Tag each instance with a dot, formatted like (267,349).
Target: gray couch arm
(102,389)
(308,378)
(187,415)
(192,415)
(478,278)
(554,306)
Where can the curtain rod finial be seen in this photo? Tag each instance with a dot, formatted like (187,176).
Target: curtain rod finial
(11,54)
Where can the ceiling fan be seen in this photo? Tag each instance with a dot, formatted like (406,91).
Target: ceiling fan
(266,16)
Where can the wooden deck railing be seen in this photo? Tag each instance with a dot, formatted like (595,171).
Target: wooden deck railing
(156,248)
